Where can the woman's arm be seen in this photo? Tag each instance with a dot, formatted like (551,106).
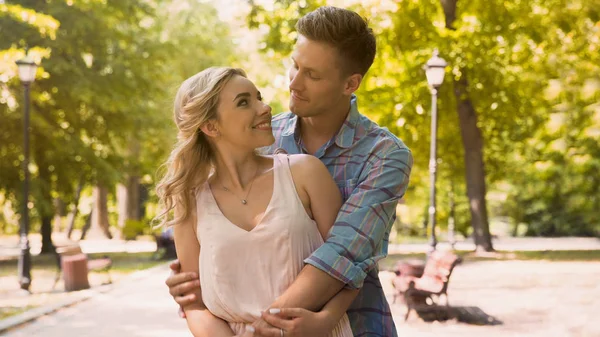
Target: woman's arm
(325,202)
(320,195)
(200,321)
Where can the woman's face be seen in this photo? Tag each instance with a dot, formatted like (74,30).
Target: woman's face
(244,120)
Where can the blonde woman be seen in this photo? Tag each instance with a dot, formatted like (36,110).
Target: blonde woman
(244,222)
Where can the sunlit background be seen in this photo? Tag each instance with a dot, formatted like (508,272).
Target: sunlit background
(517,167)
(520,97)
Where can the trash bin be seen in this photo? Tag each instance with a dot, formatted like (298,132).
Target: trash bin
(75,272)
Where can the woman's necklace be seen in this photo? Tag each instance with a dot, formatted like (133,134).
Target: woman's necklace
(245,200)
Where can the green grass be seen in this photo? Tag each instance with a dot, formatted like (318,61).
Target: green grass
(130,262)
(122,262)
(407,239)
(543,255)
(564,255)
(38,263)
(6,312)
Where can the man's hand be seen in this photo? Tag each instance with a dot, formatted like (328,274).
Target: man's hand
(263,329)
(294,322)
(248,332)
(182,286)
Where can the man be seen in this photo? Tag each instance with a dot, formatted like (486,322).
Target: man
(334,50)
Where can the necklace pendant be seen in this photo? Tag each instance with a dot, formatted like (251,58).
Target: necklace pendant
(244,201)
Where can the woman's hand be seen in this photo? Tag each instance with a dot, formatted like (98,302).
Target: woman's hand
(294,322)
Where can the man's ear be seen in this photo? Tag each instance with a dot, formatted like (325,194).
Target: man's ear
(210,129)
(352,84)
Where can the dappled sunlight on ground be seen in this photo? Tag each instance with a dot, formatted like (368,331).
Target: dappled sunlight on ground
(530,298)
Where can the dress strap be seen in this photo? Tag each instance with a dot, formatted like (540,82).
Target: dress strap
(286,182)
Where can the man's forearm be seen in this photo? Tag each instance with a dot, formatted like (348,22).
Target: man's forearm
(311,290)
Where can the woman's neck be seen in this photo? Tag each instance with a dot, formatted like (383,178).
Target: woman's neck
(236,169)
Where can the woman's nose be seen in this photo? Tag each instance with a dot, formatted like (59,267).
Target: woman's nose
(266,109)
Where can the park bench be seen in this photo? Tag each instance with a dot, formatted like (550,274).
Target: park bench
(422,292)
(73,253)
(165,246)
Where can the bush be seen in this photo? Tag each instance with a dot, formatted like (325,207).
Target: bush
(133,228)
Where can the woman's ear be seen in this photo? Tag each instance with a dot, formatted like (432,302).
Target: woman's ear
(210,129)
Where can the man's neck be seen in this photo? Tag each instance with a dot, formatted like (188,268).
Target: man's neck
(318,130)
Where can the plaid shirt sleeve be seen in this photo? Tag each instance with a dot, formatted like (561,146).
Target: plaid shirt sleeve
(358,239)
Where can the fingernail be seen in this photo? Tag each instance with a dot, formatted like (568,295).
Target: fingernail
(274,311)
(250,328)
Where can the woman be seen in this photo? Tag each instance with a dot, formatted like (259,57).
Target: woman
(243,221)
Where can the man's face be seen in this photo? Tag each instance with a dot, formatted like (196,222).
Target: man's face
(316,81)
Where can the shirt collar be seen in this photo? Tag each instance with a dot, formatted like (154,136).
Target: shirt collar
(290,127)
(345,136)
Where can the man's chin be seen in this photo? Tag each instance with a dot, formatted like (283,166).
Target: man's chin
(297,111)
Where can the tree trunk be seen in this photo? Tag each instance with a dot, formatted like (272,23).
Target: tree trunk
(473,145)
(87,225)
(75,210)
(128,199)
(44,205)
(99,226)
(449,7)
(47,245)
(59,212)
(475,171)
(128,194)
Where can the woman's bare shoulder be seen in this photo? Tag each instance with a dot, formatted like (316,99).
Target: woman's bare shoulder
(305,161)
(306,166)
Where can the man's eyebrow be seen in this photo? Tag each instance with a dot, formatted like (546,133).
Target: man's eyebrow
(307,68)
(243,94)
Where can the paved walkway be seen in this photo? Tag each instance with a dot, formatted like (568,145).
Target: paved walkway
(530,298)
(138,307)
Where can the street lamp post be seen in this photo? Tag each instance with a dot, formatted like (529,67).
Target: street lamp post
(451,220)
(27,69)
(434,70)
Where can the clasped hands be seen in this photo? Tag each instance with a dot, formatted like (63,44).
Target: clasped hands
(274,322)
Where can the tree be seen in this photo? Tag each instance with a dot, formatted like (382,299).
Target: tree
(501,58)
(191,39)
(101,105)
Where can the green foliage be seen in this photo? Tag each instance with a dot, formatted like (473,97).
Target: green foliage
(133,228)
(557,192)
(102,99)
(513,53)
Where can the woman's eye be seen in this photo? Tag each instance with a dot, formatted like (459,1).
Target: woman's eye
(243,102)
(260,98)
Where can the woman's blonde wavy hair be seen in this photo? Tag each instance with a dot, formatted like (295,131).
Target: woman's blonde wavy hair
(192,159)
